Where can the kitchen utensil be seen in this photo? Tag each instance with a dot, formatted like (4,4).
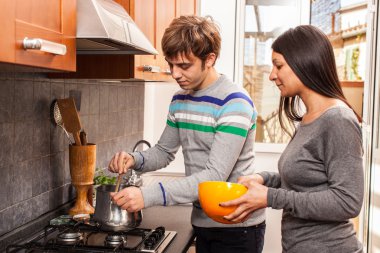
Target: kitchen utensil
(83,137)
(82,160)
(117,186)
(211,193)
(70,117)
(58,120)
(109,215)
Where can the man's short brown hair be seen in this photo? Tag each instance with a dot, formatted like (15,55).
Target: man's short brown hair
(191,34)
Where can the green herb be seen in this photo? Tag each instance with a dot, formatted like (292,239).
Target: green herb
(103,179)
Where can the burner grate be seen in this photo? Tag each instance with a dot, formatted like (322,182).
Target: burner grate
(80,237)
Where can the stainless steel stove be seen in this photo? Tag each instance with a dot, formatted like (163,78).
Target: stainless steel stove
(89,237)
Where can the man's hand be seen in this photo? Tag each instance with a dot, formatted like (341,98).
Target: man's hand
(121,162)
(129,198)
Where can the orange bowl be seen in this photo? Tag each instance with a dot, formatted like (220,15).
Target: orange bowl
(211,193)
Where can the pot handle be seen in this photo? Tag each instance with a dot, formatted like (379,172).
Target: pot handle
(141,142)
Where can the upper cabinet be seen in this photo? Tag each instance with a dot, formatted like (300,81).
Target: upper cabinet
(49,27)
(153,16)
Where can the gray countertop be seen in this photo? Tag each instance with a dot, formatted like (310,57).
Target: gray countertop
(174,218)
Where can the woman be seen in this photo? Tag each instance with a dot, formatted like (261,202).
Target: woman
(320,181)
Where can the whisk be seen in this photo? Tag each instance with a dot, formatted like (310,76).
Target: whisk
(58,120)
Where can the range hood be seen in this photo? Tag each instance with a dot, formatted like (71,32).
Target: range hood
(104,27)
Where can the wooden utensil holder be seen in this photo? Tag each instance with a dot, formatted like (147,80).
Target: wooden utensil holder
(82,161)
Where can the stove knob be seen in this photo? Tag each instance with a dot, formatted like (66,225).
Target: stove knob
(160,230)
(149,242)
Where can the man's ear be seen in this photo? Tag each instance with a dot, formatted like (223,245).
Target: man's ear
(210,60)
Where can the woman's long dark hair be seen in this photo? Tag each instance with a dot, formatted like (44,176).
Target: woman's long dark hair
(310,55)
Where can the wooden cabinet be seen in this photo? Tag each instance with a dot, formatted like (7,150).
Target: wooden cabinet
(153,16)
(53,20)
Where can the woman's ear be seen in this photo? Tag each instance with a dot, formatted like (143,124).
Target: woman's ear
(210,60)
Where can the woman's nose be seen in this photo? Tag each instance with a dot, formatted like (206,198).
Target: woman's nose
(272,76)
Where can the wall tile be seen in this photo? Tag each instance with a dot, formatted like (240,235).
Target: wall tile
(103,133)
(6,100)
(5,181)
(93,128)
(128,116)
(129,96)
(121,98)
(40,205)
(85,97)
(57,90)
(41,100)
(23,141)
(57,170)
(94,100)
(115,125)
(7,144)
(6,215)
(41,137)
(21,186)
(135,121)
(103,99)
(112,100)
(22,213)
(24,107)
(37,172)
(45,172)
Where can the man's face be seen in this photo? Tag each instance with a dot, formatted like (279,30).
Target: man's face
(189,72)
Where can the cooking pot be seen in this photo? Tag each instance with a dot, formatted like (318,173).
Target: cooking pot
(109,215)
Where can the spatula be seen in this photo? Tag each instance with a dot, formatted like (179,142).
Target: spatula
(70,117)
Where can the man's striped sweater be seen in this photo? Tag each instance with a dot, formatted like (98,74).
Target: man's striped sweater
(216,129)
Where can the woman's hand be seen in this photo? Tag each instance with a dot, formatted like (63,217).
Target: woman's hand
(130,199)
(245,180)
(121,162)
(255,198)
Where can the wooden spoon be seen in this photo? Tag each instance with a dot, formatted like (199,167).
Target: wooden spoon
(70,117)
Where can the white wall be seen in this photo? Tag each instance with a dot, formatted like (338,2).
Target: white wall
(224,13)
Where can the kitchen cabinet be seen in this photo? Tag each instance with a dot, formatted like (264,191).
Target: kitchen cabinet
(153,16)
(52,21)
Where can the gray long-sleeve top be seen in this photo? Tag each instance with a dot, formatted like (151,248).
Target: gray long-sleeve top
(320,185)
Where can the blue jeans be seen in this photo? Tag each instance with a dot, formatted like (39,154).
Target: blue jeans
(230,240)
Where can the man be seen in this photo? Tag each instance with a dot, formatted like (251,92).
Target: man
(214,122)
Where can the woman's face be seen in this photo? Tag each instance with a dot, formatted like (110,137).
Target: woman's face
(284,78)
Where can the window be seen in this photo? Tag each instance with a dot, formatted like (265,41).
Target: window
(265,20)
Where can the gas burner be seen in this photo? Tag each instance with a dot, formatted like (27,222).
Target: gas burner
(69,238)
(114,240)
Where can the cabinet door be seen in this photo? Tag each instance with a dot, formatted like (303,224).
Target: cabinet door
(145,19)
(186,7)
(53,20)
(165,14)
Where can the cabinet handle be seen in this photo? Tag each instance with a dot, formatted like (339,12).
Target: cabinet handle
(167,72)
(44,46)
(150,68)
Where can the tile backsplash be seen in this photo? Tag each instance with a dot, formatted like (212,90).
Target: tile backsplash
(34,167)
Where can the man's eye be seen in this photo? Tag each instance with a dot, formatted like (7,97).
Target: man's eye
(278,66)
